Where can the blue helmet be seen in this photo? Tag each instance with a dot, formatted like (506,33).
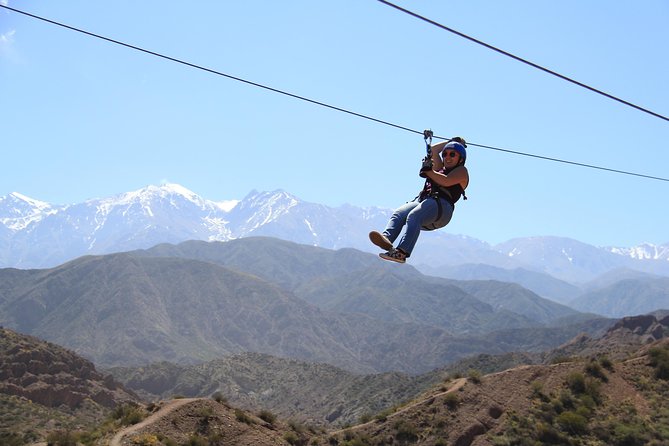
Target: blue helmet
(460,148)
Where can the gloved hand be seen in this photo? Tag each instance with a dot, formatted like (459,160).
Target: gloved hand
(426,166)
(459,139)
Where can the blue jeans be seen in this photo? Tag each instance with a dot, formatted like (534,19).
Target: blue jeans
(415,216)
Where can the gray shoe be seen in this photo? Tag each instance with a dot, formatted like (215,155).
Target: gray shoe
(380,240)
(394,255)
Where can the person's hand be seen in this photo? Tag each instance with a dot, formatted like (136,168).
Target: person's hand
(425,167)
(459,139)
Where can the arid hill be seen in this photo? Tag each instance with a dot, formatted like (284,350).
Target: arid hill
(45,387)
(593,399)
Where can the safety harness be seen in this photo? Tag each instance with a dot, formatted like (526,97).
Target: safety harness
(433,190)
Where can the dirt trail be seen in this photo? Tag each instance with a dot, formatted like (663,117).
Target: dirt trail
(165,410)
(457,385)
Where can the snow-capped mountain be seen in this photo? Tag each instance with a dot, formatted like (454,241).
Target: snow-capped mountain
(18,211)
(645,251)
(35,234)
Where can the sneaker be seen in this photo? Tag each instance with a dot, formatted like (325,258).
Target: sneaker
(394,255)
(380,240)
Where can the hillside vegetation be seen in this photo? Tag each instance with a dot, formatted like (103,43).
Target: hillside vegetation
(595,399)
(268,296)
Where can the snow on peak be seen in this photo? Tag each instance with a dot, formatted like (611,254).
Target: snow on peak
(20,198)
(644,251)
(17,211)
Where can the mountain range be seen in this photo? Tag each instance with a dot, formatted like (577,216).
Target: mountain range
(198,301)
(36,234)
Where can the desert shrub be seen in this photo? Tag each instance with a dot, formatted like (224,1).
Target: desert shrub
(197,440)
(145,440)
(205,412)
(605,362)
(573,423)
(595,370)
(593,390)
(383,415)
(11,439)
(659,358)
(576,382)
(562,359)
(128,414)
(61,438)
(267,416)
(547,434)
(474,376)
(537,389)
(365,418)
(451,400)
(357,441)
(405,432)
(626,434)
(291,438)
(219,397)
(296,426)
(243,417)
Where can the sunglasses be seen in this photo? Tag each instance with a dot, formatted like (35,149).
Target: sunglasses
(451,154)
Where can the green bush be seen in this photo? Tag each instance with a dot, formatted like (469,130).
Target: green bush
(659,358)
(243,417)
(11,439)
(629,435)
(576,382)
(405,432)
(128,414)
(572,423)
(605,362)
(451,400)
(61,438)
(595,370)
(197,440)
(219,397)
(291,438)
(474,376)
(267,416)
(365,418)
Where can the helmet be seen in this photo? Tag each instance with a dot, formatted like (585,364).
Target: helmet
(460,148)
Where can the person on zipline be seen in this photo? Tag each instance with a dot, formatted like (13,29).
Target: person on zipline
(446,179)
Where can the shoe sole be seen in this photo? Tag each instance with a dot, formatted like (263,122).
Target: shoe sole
(392,259)
(379,240)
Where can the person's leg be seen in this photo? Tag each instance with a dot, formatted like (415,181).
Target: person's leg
(398,220)
(426,212)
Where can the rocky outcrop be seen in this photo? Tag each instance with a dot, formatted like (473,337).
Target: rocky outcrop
(648,327)
(53,376)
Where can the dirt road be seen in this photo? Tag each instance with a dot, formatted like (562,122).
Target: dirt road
(165,410)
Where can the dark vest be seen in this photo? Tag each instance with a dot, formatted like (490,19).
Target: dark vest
(450,193)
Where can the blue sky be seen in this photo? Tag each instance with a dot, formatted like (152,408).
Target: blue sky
(83,118)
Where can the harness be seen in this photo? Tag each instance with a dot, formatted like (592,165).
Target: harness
(432,190)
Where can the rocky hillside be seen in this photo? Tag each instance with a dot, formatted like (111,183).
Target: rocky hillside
(579,402)
(318,394)
(611,390)
(44,386)
(53,376)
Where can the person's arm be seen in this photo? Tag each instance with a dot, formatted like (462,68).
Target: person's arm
(459,175)
(437,163)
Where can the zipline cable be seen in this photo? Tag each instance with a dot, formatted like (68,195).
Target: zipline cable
(312,101)
(199,67)
(525,61)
